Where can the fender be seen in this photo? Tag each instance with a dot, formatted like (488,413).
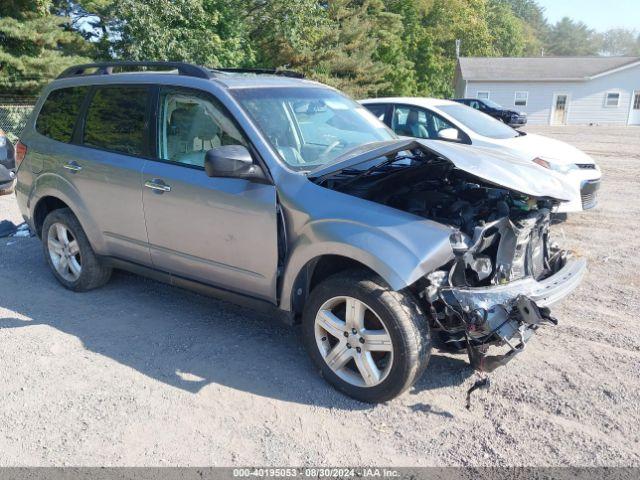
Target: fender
(394,253)
(53,185)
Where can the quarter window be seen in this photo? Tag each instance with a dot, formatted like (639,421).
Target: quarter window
(58,115)
(190,123)
(612,99)
(116,119)
(521,99)
(482,95)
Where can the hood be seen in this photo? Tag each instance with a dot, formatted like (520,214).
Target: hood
(498,168)
(532,146)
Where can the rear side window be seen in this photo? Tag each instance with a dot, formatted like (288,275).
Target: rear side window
(115,119)
(58,115)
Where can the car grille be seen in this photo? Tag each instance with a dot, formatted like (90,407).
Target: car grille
(586,166)
(588,193)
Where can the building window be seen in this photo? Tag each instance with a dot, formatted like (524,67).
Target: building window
(521,99)
(612,99)
(482,95)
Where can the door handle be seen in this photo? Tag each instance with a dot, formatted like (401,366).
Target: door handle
(72,166)
(157,185)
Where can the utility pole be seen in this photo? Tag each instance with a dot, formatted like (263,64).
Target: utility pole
(458,42)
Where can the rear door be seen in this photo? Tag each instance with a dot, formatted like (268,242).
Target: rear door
(107,168)
(219,231)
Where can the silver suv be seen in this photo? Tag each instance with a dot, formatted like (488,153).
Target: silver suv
(284,194)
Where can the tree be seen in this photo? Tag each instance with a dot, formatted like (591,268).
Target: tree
(621,41)
(506,29)
(571,38)
(207,32)
(350,44)
(535,28)
(35,46)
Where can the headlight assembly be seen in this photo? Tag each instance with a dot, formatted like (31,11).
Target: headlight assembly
(551,165)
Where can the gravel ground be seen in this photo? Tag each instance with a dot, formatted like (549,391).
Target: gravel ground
(139,373)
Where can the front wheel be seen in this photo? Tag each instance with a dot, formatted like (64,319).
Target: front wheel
(368,341)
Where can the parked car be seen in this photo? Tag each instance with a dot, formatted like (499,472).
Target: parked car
(7,165)
(283,194)
(495,110)
(452,122)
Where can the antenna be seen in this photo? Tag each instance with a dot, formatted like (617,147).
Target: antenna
(458,42)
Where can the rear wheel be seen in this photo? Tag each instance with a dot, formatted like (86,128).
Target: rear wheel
(368,341)
(69,253)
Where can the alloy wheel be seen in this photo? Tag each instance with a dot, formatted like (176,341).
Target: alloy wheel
(353,341)
(64,252)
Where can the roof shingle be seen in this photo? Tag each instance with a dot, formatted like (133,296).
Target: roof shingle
(538,68)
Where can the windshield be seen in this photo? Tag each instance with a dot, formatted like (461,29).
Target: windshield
(310,127)
(491,103)
(479,122)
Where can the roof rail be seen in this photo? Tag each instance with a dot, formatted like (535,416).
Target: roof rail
(259,71)
(106,68)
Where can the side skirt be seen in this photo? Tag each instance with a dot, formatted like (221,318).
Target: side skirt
(253,303)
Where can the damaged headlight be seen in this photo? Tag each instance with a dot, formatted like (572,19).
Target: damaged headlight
(553,165)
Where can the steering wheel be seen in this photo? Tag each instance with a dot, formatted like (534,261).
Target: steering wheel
(328,150)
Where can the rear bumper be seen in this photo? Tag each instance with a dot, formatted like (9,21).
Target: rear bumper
(7,180)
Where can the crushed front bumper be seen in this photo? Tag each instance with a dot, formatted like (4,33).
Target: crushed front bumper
(509,314)
(544,292)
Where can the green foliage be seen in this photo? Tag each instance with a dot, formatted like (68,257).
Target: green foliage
(199,31)
(35,46)
(620,41)
(568,37)
(365,47)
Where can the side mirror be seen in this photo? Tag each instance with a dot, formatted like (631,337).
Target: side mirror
(450,134)
(232,161)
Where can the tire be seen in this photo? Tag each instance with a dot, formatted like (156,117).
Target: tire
(92,273)
(404,327)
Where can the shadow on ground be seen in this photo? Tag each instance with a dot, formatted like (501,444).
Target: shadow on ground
(177,337)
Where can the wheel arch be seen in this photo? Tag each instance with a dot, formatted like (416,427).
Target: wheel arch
(315,271)
(44,207)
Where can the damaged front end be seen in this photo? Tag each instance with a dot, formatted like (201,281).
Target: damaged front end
(505,272)
(497,291)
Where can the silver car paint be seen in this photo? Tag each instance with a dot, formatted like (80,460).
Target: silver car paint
(399,246)
(221,231)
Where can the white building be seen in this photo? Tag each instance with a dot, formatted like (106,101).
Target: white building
(557,90)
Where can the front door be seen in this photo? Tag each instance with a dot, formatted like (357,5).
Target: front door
(219,231)
(560,106)
(634,117)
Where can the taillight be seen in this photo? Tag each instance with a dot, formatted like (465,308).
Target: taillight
(21,152)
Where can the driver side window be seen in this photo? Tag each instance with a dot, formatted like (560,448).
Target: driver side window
(190,123)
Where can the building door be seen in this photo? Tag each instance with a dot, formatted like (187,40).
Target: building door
(560,106)
(634,117)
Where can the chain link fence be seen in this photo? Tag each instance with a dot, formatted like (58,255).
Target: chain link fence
(14,112)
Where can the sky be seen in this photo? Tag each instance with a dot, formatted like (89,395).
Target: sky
(598,14)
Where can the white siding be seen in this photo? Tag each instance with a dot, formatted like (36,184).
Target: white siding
(586,99)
